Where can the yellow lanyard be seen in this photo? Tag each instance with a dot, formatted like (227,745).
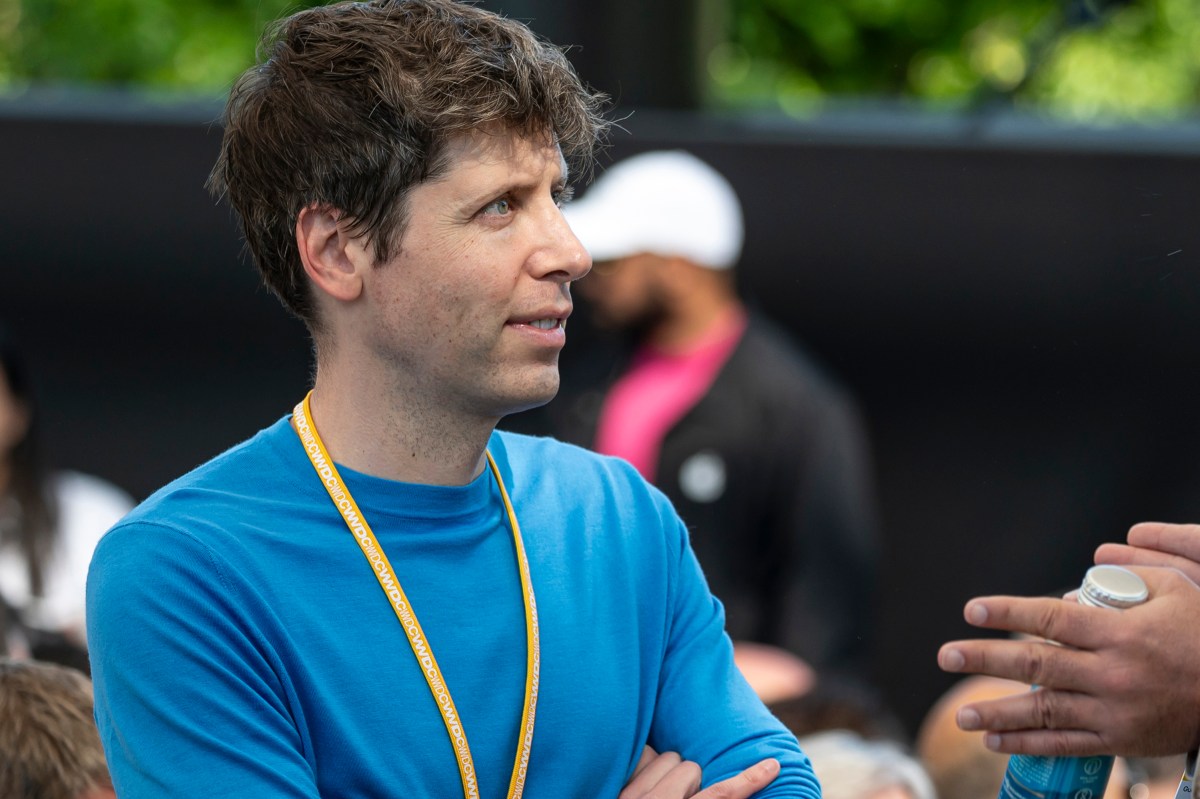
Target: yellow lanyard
(328,474)
(1184,791)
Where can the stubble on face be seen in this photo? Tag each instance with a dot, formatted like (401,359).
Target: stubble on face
(483,253)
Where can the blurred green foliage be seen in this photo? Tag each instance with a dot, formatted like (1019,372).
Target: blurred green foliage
(189,45)
(1083,59)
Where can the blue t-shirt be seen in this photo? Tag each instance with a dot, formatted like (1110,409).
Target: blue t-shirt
(241,645)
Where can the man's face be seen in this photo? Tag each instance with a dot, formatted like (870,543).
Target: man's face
(624,293)
(470,311)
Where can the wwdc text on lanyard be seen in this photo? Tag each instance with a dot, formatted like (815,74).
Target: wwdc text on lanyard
(357,524)
(1188,780)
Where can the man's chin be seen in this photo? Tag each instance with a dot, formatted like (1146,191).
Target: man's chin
(538,401)
(526,407)
(534,396)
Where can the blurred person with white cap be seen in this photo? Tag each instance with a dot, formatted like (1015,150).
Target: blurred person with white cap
(850,766)
(763,453)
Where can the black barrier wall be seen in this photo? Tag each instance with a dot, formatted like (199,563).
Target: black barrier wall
(1013,304)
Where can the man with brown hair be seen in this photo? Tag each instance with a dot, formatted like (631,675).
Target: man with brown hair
(49,748)
(267,624)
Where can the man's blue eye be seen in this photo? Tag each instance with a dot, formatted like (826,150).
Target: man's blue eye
(499,207)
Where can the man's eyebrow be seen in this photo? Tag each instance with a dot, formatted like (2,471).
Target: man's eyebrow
(516,184)
(482,194)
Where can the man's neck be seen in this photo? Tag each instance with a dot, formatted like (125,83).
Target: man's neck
(385,431)
(690,323)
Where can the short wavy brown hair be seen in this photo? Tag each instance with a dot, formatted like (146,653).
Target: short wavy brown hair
(352,104)
(49,745)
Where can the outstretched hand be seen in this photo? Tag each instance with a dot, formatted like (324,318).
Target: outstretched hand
(668,776)
(1175,546)
(1124,683)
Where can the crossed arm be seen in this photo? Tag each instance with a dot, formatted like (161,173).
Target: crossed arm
(1123,683)
(667,776)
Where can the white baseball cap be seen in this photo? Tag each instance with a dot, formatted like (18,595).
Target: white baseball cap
(666,202)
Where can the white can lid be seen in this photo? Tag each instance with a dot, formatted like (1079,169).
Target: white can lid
(1112,587)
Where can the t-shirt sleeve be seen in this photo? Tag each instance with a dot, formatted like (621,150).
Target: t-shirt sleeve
(705,710)
(189,699)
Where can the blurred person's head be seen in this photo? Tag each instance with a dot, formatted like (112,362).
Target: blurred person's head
(357,103)
(28,512)
(837,703)
(49,745)
(849,766)
(662,228)
(27,515)
(958,762)
(16,411)
(960,765)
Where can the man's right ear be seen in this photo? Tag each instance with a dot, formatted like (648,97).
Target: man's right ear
(333,257)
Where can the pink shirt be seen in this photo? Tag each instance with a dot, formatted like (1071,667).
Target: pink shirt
(658,390)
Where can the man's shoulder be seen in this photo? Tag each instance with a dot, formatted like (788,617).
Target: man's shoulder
(524,445)
(769,354)
(234,478)
(538,454)
(556,486)
(566,467)
(768,341)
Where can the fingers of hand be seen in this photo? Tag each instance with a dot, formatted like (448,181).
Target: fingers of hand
(1180,541)
(1033,662)
(1029,710)
(662,776)
(1177,539)
(1122,555)
(648,757)
(1042,617)
(744,785)
(1079,726)
(1051,743)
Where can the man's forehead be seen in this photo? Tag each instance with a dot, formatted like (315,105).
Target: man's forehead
(506,148)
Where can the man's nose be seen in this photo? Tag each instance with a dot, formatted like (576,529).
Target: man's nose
(563,252)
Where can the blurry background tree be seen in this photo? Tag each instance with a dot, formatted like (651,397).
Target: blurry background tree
(192,45)
(1084,59)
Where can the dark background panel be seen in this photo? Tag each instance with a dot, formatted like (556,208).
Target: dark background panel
(153,343)
(1015,306)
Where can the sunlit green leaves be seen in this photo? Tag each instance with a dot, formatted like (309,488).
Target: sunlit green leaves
(1143,63)
(198,46)
(1131,59)
(1083,59)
